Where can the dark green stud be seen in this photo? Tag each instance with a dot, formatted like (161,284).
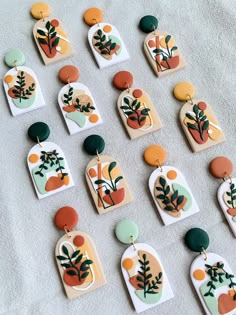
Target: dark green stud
(148,23)
(197,239)
(39,131)
(94,144)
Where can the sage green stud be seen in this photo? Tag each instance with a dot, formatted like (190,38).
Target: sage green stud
(148,23)
(126,231)
(15,57)
(197,239)
(94,144)
(39,131)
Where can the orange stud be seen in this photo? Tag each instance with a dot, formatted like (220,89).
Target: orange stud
(128,263)
(107,28)
(93,118)
(33,158)
(171,174)
(199,274)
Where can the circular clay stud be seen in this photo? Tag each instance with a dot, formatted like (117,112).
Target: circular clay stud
(39,131)
(93,16)
(148,23)
(15,57)
(94,144)
(155,155)
(66,218)
(197,240)
(221,167)
(123,80)
(40,10)
(126,231)
(68,74)
(183,91)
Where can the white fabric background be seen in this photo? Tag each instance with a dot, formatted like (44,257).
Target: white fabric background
(205,31)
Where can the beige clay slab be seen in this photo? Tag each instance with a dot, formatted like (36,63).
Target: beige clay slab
(107,195)
(215,133)
(152,122)
(63,49)
(176,61)
(95,278)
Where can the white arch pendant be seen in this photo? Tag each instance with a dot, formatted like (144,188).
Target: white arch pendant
(51,40)
(163,53)
(78,108)
(137,112)
(22,90)
(200,125)
(107,184)
(145,277)
(107,45)
(215,284)
(227,199)
(48,169)
(172,194)
(78,264)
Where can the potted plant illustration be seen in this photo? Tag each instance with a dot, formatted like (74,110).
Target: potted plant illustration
(199,125)
(113,195)
(173,202)
(136,115)
(232,201)
(20,91)
(77,269)
(105,47)
(48,39)
(76,111)
(168,60)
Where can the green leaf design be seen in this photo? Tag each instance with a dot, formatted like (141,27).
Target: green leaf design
(48,25)
(126,100)
(84,275)
(99,32)
(192,126)
(41,32)
(66,265)
(118,179)
(71,272)
(113,46)
(189,116)
(61,257)
(65,250)
(162,181)
(112,165)
(180,200)
(78,259)
(174,48)
(167,39)
(42,40)
(85,265)
(75,254)
(195,109)
(56,41)
(169,208)
(100,181)
(205,125)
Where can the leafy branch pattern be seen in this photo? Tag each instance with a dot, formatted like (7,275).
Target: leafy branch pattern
(83,108)
(216,274)
(201,123)
(165,55)
(104,47)
(172,202)
(145,275)
(19,88)
(68,96)
(71,263)
(232,195)
(51,159)
(50,36)
(133,109)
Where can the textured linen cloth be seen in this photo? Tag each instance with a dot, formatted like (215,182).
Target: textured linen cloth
(29,280)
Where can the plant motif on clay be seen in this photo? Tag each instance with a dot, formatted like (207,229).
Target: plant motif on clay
(200,124)
(172,202)
(149,287)
(216,273)
(232,201)
(48,39)
(51,159)
(20,91)
(105,47)
(75,265)
(136,115)
(75,106)
(167,60)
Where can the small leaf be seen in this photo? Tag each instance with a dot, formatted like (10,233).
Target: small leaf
(205,125)
(66,265)
(174,196)
(162,181)
(107,44)
(112,165)
(124,107)
(195,109)
(42,40)
(60,257)
(140,286)
(169,208)
(56,41)
(75,254)
(180,200)
(140,279)
(192,126)
(126,100)
(118,179)
(71,272)
(103,38)
(78,259)
(174,48)
(157,51)
(113,46)
(189,116)
(167,39)
(100,181)
(99,33)
(133,118)
(84,275)
(65,250)
(41,32)
(48,24)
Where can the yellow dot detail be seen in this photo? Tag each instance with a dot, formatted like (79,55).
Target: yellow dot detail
(183,90)
(107,28)
(93,118)
(199,274)
(33,158)
(171,42)
(8,78)
(172,174)
(114,173)
(128,263)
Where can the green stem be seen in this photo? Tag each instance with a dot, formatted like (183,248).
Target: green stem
(114,188)
(49,45)
(231,196)
(74,266)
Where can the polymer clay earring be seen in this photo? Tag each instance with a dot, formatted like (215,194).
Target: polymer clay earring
(197,119)
(135,107)
(142,270)
(21,85)
(50,37)
(169,188)
(160,48)
(222,167)
(76,102)
(76,255)
(104,39)
(211,276)
(47,164)
(105,178)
